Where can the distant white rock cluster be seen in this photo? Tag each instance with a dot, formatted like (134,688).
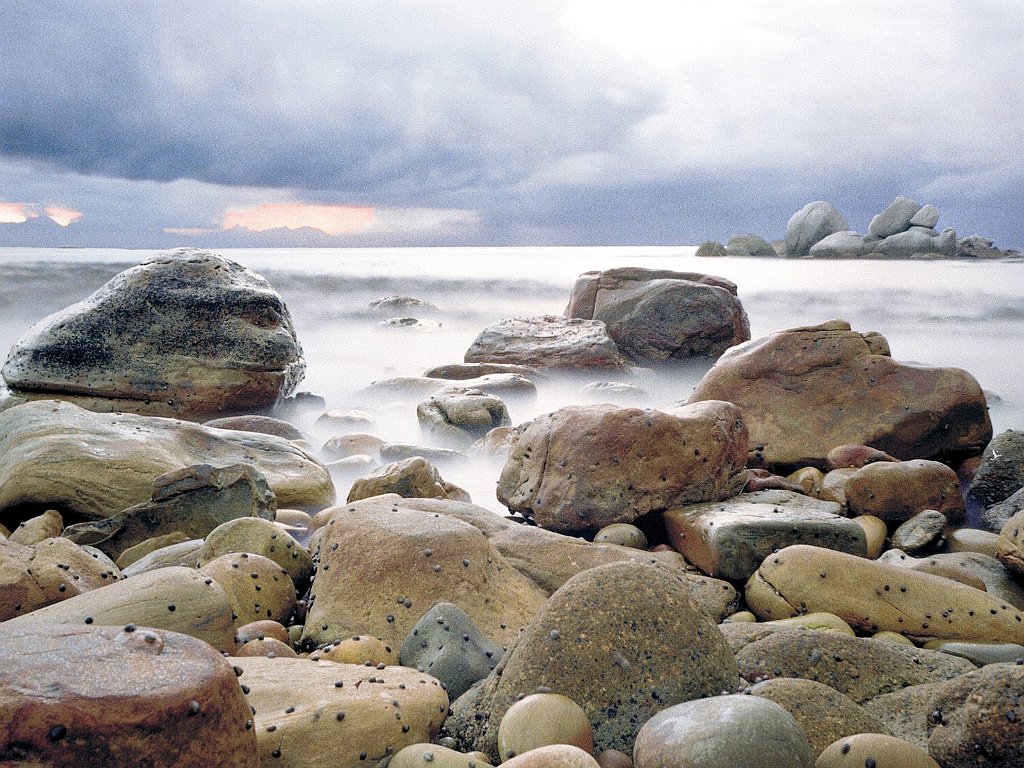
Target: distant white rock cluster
(904,230)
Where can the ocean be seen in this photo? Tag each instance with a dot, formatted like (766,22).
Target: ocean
(943,313)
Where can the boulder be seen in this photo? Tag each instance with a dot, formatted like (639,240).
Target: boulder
(257,587)
(872,596)
(187,334)
(77,696)
(311,714)
(839,245)
(184,554)
(553,756)
(983,572)
(176,599)
(852,456)
(191,501)
(804,391)
(711,248)
(265,425)
(463,371)
(93,465)
(729,539)
(897,491)
(723,732)
(749,245)
(874,749)
(457,416)
(542,719)
(623,641)
(446,644)
(546,342)
(920,532)
(623,534)
(978,247)
(355,444)
(970,720)
(658,315)
(1001,473)
(994,518)
(585,467)
(823,713)
(411,478)
(426,755)
(152,544)
(53,570)
(381,566)
(858,667)
(1011,544)
(896,218)
(551,559)
(259,537)
(508,386)
(928,217)
(915,242)
(812,223)
(397,452)
(38,528)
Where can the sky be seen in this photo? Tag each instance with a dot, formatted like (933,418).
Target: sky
(161,123)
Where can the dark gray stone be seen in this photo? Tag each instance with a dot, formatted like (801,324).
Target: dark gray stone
(1001,473)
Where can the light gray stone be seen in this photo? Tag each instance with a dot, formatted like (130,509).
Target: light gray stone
(895,218)
(928,216)
(915,241)
(812,223)
(839,245)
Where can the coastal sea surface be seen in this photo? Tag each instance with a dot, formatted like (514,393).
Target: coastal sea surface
(942,313)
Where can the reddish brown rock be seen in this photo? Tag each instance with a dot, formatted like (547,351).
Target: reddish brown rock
(804,391)
(855,456)
(896,491)
(586,467)
(75,696)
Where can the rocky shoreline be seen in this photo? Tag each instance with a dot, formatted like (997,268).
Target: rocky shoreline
(777,571)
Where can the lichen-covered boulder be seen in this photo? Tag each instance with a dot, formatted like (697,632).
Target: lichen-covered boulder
(177,599)
(93,465)
(311,714)
(623,641)
(804,391)
(75,696)
(380,568)
(872,596)
(187,334)
(548,341)
(192,501)
(585,467)
(659,315)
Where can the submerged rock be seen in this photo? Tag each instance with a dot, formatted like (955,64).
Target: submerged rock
(188,334)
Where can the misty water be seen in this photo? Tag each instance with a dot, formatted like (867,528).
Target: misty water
(943,313)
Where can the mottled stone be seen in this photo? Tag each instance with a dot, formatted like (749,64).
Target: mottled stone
(411,478)
(919,532)
(258,587)
(1001,473)
(548,342)
(259,537)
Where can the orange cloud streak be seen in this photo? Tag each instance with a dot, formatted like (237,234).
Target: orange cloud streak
(329,219)
(15,213)
(62,215)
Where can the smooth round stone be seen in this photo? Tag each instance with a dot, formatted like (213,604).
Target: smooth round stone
(261,628)
(745,617)
(294,518)
(980,653)
(808,478)
(723,732)
(553,756)
(258,587)
(623,534)
(973,540)
(873,749)
(875,531)
(889,636)
(612,758)
(542,719)
(359,649)
(425,755)
(269,646)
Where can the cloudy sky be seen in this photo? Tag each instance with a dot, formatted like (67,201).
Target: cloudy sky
(153,123)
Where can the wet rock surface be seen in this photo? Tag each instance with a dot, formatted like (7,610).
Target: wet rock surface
(546,342)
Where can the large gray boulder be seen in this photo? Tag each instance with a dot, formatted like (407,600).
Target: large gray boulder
(895,218)
(839,245)
(188,334)
(812,223)
(915,242)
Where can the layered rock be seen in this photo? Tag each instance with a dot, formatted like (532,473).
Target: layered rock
(548,341)
(658,315)
(78,696)
(94,465)
(191,501)
(188,334)
(623,641)
(804,391)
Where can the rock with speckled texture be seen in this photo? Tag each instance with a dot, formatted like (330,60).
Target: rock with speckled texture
(874,749)
(896,491)
(622,640)
(414,477)
(311,714)
(259,537)
(188,334)
(38,528)
(77,696)
(258,587)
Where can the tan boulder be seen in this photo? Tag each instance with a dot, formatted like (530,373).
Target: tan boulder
(187,334)
(183,553)
(585,467)
(379,568)
(76,696)
(854,456)
(311,714)
(93,465)
(48,572)
(896,491)
(1011,544)
(176,599)
(411,478)
(546,342)
(436,756)
(259,537)
(265,425)
(729,539)
(258,587)
(872,596)
(147,546)
(38,528)
(553,756)
(878,750)
(804,391)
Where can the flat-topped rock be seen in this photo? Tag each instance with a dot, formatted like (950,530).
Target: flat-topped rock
(187,334)
(94,465)
(548,341)
(76,696)
(804,391)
